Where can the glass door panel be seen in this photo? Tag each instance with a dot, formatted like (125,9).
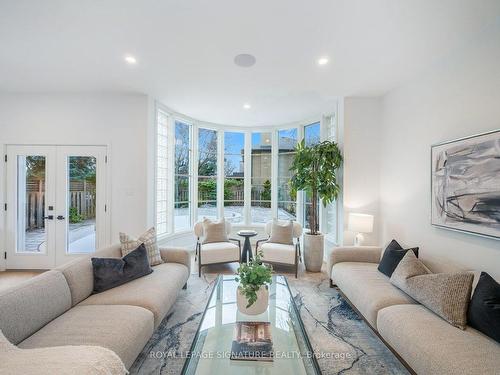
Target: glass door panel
(30,193)
(81,193)
(31,180)
(81,206)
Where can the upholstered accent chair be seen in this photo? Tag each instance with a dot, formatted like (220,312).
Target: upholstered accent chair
(279,253)
(215,252)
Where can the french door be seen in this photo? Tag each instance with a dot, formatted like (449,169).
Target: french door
(56,204)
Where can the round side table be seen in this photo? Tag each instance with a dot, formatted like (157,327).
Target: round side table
(246,253)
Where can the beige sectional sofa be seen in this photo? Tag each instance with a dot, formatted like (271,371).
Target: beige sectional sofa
(427,343)
(57,308)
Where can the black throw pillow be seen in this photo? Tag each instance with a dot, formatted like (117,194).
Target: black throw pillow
(392,256)
(484,307)
(112,272)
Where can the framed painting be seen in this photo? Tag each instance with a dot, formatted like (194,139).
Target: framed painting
(465,184)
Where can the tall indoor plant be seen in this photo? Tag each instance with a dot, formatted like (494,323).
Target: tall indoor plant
(315,172)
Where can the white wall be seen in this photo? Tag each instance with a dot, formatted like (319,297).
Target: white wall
(121,122)
(361,148)
(459,96)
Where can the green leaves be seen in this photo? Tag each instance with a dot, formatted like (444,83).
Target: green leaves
(315,172)
(252,276)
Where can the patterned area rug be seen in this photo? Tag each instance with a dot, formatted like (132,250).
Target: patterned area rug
(333,327)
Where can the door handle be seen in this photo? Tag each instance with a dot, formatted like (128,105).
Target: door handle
(60,217)
(50,217)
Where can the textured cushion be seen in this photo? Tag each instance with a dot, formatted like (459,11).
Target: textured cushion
(484,307)
(79,274)
(218,252)
(148,239)
(368,289)
(112,272)
(123,329)
(392,256)
(447,294)
(277,252)
(432,346)
(30,305)
(156,292)
(61,360)
(214,231)
(282,233)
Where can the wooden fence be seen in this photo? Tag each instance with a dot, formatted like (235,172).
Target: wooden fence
(82,196)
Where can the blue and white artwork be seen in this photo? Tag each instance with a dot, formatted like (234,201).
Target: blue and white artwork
(465,184)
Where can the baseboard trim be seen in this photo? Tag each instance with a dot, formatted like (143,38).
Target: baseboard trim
(403,362)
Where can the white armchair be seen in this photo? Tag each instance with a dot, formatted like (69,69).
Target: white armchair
(215,252)
(278,253)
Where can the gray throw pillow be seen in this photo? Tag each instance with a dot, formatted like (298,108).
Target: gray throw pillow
(214,231)
(282,233)
(112,272)
(129,244)
(446,294)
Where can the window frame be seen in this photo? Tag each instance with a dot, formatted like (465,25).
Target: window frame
(277,174)
(271,201)
(224,177)
(189,175)
(196,176)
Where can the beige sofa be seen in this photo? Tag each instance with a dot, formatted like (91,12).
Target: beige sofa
(427,343)
(57,308)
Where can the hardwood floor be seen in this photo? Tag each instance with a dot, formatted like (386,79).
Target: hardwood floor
(9,279)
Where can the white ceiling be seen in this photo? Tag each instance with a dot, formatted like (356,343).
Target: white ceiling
(185,50)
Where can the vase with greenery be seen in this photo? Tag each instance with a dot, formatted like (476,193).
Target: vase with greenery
(314,170)
(254,278)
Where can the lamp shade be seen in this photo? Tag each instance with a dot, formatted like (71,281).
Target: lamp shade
(360,223)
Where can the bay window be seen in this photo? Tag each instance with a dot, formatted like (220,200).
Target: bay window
(240,174)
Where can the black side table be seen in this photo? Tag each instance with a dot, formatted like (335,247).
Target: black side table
(246,253)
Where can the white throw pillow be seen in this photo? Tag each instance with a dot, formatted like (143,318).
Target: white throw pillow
(214,231)
(282,233)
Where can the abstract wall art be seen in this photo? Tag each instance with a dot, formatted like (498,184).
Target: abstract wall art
(465,184)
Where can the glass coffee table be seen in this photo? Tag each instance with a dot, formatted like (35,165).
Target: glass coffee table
(211,348)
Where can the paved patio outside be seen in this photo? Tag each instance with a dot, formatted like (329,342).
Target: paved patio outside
(81,238)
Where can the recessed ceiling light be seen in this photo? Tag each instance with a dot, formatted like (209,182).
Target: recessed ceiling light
(323,61)
(245,60)
(130,59)
(247,106)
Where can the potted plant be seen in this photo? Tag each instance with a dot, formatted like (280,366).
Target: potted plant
(253,292)
(314,171)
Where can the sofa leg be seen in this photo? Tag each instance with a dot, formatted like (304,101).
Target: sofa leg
(332,285)
(185,286)
(199,269)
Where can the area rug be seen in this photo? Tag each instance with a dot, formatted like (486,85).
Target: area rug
(345,344)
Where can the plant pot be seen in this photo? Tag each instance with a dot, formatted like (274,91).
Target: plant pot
(313,251)
(258,307)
